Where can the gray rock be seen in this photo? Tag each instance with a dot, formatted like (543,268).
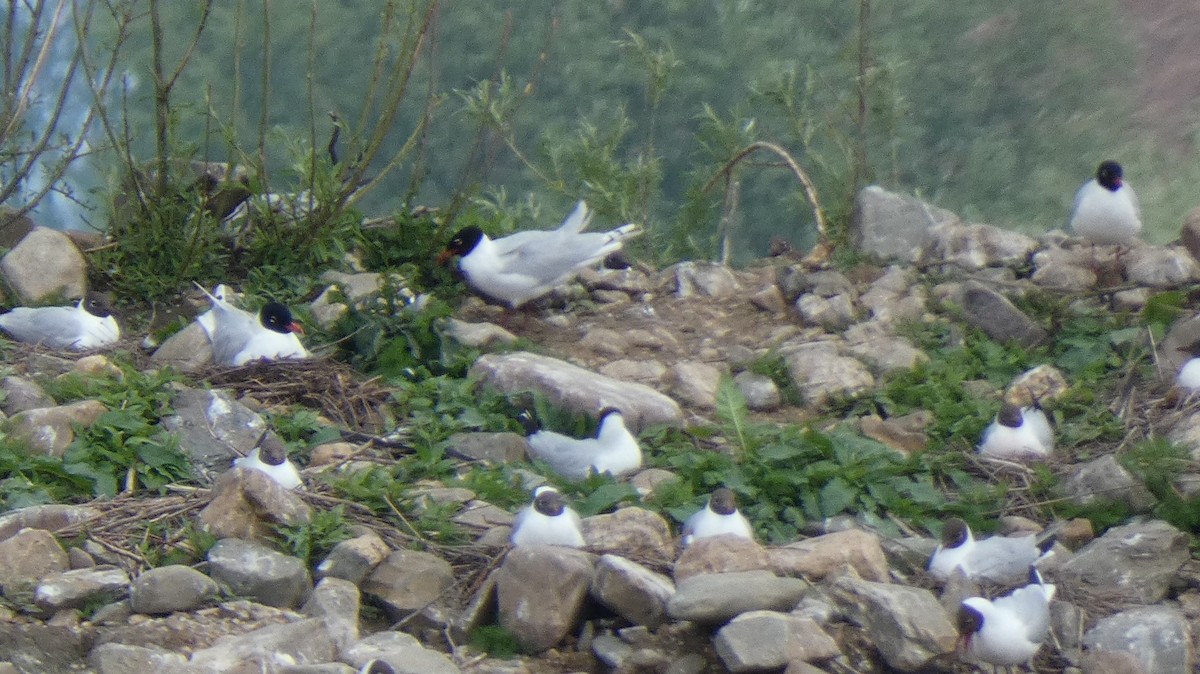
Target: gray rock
(44,264)
(907,624)
(540,591)
(770,299)
(167,589)
(759,390)
(482,515)
(478,335)
(354,558)
(77,588)
(574,388)
(116,658)
(38,648)
(1160,266)
(1066,269)
(1105,479)
(649,372)
(253,570)
(631,281)
(829,283)
(1158,636)
(301,642)
(978,246)
(330,668)
(695,383)
(402,651)
(1136,562)
(21,394)
(765,640)
(407,581)
(832,313)
(634,592)
(51,517)
(336,602)
(247,503)
(26,558)
(494,448)
(704,279)
(713,599)
(49,430)
(727,553)
(887,353)
(188,350)
(992,313)
(213,428)
(611,650)
(603,341)
(891,225)
(821,556)
(821,374)
(630,532)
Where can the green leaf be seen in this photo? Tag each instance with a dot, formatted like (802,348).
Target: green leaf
(733,413)
(605,498)
(836,496)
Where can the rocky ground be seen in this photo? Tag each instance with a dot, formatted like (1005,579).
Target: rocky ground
(81,594)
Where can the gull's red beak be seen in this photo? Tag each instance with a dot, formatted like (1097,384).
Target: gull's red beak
(295,327)
(444,256)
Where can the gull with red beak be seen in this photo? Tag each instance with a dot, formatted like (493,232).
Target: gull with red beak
(239,337)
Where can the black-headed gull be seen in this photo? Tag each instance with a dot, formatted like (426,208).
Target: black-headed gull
(547,521)
(1008,630)
(239,337)
(998,559)
(720,516)
(1189,373)
(1106,209)
(523,266)
(1018,433)
(376,667)
(270,457)
(614,449)
(87,325)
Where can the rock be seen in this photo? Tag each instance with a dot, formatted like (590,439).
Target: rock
(832,313)
(907,624)
(822,556)
(21,394)
(188,350)
(264,649)
(896,226)
(1136,562)
(713,599)
(887,354)
(1065,269)
(43,649)
(759,390)
(1110,662)
(822,375)
(482,515)
(829,283)
(78,588)
(1190,232)
(611,650)
(13,226)
(478,335)
(1044,383)
(905,434)
(647,481)
(649,372)
(253,570)
(992,313)
(574,388)
(1160,266)
(1132,300)
(540,591)
(49,430)
(167,589)
(704,279)
(354,558)
(770,299)
(51,517)
(1158,636)
(977,246)
(28,557)
(721,554)
(1105,479)
(765,640)
(248,504)
(630,532)
(407,581)
(402,651)
(336,602)
(213,428)
(114,658)
(634,592)
(1076,532)
(695,383)
(43,265)
(631,281)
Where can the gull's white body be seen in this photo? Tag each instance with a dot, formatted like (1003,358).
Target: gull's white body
(1104,216)
(614,450)
(533,528)
(521,267)
(239,337)
(286,473)
(1034,438)
(270,345)
(998,559)
(60,327)
(1189,375)
(1014,626)
(706,522)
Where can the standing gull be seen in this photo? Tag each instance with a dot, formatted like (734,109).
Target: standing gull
(1106,209)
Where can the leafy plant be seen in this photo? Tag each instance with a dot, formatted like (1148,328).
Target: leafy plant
(496,641)
(314,539)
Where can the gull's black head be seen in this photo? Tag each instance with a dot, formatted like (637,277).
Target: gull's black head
(97,305)
(548,502)
(969,620)
(1109,175)
(462,244)
(271,449)
(277,317)
(954,533)
(1010,415)
(722,502)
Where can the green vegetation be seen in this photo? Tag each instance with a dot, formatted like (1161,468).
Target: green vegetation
(312,540)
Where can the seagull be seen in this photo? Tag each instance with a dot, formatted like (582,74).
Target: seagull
(376,667)
(547,521)
(87,325)
(1189,375)
(719,517)
(1018,433)
(521,267)
(1010,629)
(998,559)
(1106,209)
(239,337)
(270,456)
(614,449)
